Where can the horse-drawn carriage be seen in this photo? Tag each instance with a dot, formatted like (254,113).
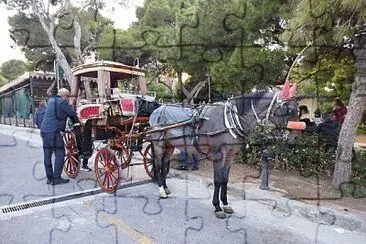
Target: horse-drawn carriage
(126,121)
(112,106)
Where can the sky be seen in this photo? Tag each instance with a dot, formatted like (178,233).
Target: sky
(122,17)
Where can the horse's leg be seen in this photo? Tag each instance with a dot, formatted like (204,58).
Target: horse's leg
(223,196)
(158,149)
(225,178)
(169,150)
(218,180)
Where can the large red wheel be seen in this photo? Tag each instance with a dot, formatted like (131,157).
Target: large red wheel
(124,155)
(107,170)
(72,163)
(148,161)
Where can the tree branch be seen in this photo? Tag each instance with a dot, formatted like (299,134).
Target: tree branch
(77,40)
(197,88)
(59,54)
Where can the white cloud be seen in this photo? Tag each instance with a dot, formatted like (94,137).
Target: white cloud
(123,16)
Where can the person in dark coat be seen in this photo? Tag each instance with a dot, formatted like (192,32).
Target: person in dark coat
(53,125)
(40,114)
(329,131)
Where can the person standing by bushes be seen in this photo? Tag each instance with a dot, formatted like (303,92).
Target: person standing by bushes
(339,111)
(329,131)
(184,161)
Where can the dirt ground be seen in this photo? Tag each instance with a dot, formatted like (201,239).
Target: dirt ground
(294,185)
(361,139)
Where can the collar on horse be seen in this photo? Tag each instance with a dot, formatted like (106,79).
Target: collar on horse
(232,121)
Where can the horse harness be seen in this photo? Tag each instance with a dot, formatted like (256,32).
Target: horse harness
(232,118)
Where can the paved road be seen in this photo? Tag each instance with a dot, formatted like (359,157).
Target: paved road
(136,214)
(22,172)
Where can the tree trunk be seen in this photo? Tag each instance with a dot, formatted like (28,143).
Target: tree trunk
(194,92)
(342,170)
(59,54)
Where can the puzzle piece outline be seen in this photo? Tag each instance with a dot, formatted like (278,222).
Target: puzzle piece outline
(228,218)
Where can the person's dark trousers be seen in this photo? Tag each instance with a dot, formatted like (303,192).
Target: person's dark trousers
(87,146)
(79,139)
(53,142)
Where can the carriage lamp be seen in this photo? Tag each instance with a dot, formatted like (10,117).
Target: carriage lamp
(128,106)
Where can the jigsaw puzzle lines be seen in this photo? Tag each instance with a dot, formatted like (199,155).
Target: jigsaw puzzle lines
(232,22)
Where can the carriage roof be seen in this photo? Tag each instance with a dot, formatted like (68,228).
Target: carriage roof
(117,70)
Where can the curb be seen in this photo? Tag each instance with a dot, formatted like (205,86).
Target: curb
(281,205)
(286,207)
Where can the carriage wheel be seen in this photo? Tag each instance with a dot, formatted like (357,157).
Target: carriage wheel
(148,162)
(107,170)
(72,163)
(125,156)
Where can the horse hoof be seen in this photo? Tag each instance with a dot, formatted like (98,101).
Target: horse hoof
(220,215)
(162,193)
(167,191)
(228,209)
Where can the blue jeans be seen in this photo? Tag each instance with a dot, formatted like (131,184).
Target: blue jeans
(184,159)
(53,142)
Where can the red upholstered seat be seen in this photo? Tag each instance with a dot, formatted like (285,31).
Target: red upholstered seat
(89,112)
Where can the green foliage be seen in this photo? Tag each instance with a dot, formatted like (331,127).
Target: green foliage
(197,37)
(307,156)
(359,167)
(13,68)
(262,67)
(3,80)
(162,92)
(329,77)
(120,40)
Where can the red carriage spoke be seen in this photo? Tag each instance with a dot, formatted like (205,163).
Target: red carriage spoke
(72,164)
(107,170)
(148,161)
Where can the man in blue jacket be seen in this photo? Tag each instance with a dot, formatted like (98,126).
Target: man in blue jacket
(53,124)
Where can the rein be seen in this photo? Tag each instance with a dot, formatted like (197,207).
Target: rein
(265,120)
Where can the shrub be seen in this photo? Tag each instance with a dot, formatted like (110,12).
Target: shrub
(306,154)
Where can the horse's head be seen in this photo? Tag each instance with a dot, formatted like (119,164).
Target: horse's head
(284,106)
(275,107)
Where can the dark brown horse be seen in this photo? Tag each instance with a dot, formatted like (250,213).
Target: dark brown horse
(216,131)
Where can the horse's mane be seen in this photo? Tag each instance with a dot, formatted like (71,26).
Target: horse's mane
(243,102)
(254,94)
